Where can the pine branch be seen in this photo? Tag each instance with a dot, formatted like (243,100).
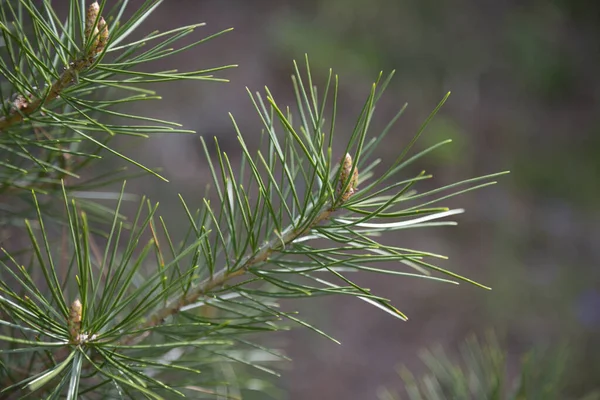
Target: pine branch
(222,277)
(97,35)
(346,188)
(123,308)
(23,107)
(64,79)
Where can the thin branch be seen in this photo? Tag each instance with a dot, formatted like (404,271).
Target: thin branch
(346,188)
(221,278)
(97,32)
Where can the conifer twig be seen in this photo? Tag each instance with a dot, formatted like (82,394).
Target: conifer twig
(22,106)
(220,278)
(347,182)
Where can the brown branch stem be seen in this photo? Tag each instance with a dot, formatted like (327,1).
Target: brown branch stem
(23,107)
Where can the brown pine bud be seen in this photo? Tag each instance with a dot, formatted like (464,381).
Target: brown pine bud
(91,26)
(96,29)
(103,38)
(346,168)
(91,20)
(75,320)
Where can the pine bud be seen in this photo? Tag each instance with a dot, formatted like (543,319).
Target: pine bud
(346,168)
(103,28)
(75,320)
(96,29)
(91,29)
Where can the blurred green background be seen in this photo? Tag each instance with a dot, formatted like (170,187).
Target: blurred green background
(526,96)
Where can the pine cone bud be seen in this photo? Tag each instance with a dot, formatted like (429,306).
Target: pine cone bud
(96,29)
(90,20)
(103,28)
(75,320)
(346,168)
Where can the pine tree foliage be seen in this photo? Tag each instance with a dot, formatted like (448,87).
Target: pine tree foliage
(63,79)
(483,371)
(120,308)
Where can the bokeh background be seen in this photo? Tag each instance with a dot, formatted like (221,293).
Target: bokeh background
(526,93)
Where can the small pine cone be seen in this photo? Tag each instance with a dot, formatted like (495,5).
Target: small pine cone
(75,320)
(346,166)
(91,26)
(103,38)
(90,18)
(96,29)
